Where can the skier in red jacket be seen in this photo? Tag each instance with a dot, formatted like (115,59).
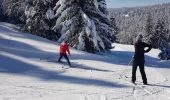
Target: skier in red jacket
(64,49)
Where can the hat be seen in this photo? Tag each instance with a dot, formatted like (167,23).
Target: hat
(139,37)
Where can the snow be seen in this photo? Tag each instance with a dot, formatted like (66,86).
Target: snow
(96,37)
(62,2)
(64,13)
(126,15)
(64,36)
(29,71)
(96,3)
(81,42)
(30,11)
(50,14)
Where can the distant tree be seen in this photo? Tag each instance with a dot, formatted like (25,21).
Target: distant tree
(148,29)
(160,38)
(114,25)
(132,21)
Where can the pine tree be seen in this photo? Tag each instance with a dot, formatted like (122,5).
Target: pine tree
(148,28)
(99,15)
(160,38)
(38,20)
(14,9)
(114,25)
(84,24)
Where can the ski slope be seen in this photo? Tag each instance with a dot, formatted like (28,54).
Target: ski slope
(29,71)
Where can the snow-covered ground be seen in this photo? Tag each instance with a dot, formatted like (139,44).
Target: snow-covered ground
(29,71)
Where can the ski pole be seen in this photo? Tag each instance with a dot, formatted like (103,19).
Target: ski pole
(130,62)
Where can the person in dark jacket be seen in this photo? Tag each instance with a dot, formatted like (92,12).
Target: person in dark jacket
(138,59)
(64,49)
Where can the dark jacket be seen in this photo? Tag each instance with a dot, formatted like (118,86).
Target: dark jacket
(140,50)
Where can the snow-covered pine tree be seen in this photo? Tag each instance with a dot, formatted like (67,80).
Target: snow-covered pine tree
(96,11)
(84,24)
(160,38)
(14,10)
(148,29)
(39,17)
(114,25)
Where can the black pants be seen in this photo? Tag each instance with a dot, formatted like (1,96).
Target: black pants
(65,56)
(142,71)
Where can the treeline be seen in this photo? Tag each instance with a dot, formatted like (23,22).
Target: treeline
(151,21)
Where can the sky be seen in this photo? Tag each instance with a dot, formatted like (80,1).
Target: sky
(133,3)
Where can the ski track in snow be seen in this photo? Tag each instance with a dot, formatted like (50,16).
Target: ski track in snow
(39,76)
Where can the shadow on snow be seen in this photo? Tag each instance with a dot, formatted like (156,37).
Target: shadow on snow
(14,66)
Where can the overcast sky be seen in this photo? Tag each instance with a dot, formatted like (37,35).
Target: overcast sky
(133,3)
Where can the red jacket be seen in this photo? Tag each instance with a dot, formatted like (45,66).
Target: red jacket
(64,48)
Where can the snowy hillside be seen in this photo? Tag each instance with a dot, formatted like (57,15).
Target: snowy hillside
(29,71)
